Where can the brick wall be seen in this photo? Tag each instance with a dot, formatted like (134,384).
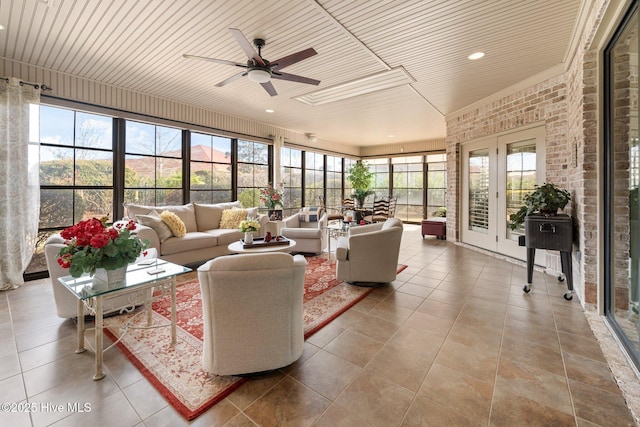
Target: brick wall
(567,105)
(544,103)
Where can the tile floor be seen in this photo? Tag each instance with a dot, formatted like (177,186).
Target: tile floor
(453,342)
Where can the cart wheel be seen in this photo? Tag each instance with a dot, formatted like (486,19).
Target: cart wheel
(568,296)
(560,278)
(526,289)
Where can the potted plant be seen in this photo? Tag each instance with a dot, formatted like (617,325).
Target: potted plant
(248,227)
(545,199)
(441,212)
(361,179)
(92,247)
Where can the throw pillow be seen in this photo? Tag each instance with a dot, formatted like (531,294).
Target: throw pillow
(231,218)
(310,214)
(174,222)
(186,213)
(208,216)
(251,212)
(154,221)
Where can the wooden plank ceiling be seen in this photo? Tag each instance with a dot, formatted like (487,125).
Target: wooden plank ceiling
(138,45)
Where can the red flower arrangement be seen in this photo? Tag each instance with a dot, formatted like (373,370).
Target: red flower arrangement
(90,244)
(271,196)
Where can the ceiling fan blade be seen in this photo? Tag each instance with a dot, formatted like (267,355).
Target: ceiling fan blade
(232,79)
(217,61)
(293,58)
(268,86)
(246,46)
(294,78)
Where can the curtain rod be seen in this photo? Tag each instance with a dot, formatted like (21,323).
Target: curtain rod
(34,85)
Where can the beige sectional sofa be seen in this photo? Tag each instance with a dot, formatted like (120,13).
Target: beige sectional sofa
(205,236)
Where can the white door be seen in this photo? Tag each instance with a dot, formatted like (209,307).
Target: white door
(497,173)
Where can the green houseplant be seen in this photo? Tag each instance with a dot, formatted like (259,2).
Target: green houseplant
(545,199)
(361,179)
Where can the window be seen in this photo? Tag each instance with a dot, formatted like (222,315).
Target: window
(210,171)
(479,190)
(292,178)
(622,204)
(313,178)
(380,170)
(334,182)
(76,172)
(408,187)
(76,167)
(436,183)
(521,178)
(253,171)
(348,191)
(153,164)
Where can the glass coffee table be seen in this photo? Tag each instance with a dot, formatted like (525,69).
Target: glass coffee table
(334,231)
(148,274)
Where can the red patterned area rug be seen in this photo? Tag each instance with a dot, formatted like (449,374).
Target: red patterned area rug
(176,371)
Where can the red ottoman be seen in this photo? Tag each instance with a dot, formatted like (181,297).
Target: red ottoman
(435,227)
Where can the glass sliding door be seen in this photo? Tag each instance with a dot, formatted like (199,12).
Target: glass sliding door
(622,205)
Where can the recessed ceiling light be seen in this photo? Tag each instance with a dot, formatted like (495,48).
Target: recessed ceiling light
(1,27)
(476,55)
(391,136)
(269,110)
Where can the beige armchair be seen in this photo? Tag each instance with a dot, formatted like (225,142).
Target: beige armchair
(252,312)
(66,302)
(369,254)
(310,236)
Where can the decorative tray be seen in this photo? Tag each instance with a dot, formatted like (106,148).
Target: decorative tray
(258,242)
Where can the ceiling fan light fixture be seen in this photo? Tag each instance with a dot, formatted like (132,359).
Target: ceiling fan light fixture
(259,75)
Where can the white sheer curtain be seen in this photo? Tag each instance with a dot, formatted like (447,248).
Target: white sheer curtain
(19,181)
(278,143)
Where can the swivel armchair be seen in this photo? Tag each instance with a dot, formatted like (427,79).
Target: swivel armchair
(369,254)
(252,312)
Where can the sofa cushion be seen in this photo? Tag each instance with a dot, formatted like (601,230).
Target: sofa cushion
(302,233)
(190,241)
(135,210)
(231,218)
(310,214)
(230,205)
(226,236)
(208,216)
(154,221)
(186,213)
(174,222)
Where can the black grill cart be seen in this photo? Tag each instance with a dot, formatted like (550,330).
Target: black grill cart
(553,233)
